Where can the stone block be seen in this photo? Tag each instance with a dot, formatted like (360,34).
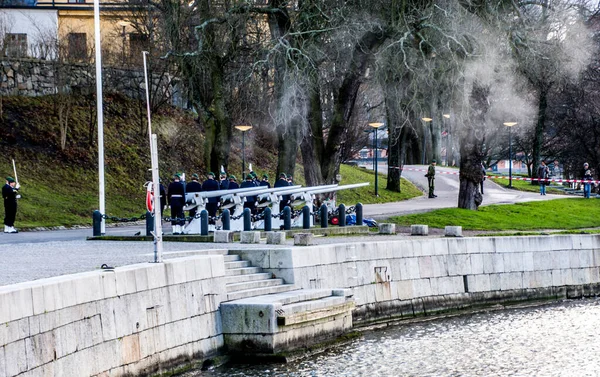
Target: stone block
(453,231)
(419,230)
(275,238)
(223,236)
(387,228)
(16,358)
(303,239)
(250,237)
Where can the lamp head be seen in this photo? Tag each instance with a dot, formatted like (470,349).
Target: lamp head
(510,124)
(243,128)
(376,125)
(426,119)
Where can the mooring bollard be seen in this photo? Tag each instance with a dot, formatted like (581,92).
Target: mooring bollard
(305,217)
(287,218)
(359,215)
(96,223)
(268,219)
(149,224)
(247,220)
(226,219)
(203,223)
(342,215)
(324,216)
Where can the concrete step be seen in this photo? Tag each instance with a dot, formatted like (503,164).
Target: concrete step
(312,305)
(231,258)
(237,264)
(248,277)
(247,285)
(242,271)
(260,291)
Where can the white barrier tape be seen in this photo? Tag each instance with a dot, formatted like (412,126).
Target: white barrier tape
(505,177)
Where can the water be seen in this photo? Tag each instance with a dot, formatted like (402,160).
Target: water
(560,339)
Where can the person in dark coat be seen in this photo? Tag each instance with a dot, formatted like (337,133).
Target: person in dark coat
(213,203)
(543,173)
(193,186)
(163,197)
(250,200)
(265,181)
(233,185)
(285,199)
(223,183)
(176,195)
(10,193)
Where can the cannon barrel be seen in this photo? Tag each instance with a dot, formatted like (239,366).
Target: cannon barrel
(331,189)
(212,194)
(307,189)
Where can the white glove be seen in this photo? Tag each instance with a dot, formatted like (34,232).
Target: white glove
(18,196)
(18,186)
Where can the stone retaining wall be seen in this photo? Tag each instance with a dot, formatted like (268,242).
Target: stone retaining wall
(135,320)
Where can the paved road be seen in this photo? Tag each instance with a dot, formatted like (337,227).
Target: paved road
(446,188)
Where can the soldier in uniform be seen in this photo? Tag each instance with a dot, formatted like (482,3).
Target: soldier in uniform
(193,186)
(431,179)
(211,185)
(232,183)
(265,181)
(10,193)
(223,183)
(176,195)
(163,196)
(285,199)
(250,200)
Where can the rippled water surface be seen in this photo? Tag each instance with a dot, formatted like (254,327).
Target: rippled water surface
(554,340)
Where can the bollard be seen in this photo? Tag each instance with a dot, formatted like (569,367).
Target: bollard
(342,215)
(268,219)
(149,224)
(225,218)
(324,216)
(247,220)
(97,223)
(287,218)
(359,215)
(204,223)
(305,217)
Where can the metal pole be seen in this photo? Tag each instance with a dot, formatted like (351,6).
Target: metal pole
(424,144)
(243,155)
(158,246)
(99,112)
(376,181)
(510,157)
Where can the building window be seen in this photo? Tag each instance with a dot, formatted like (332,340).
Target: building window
(76,1)
(15,45)
(77,47)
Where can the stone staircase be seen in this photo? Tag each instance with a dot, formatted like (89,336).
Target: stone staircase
(263,315)
(244,281)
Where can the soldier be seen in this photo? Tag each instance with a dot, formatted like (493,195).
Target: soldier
(211,185)
(431,179)
(163,196)
(176,195)
(250,200)
(223,183)
(193,186)
(10,193)
(265,181)
(232,183)
(285,199)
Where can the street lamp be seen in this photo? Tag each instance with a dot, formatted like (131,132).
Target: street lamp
(124,25)
(243,128)
(99,114)
(510,126)
(376,126)
(426,120)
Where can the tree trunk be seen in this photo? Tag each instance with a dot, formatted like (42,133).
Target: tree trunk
(435,128)
(394,144)
(312,143)
(540,126)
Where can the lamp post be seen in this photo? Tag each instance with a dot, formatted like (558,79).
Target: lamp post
(243,128)
(99,111)
(426,120)
(124,25)
(376,126)
(510,126)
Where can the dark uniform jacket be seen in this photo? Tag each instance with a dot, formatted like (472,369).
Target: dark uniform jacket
(193,186)
(283,183)
(265,183)
(10,195)
(224,184)
(247,184)
(176,193)
(211,185)
(233,186)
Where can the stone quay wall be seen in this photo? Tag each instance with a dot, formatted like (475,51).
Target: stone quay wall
(32,77)
(405,278)
(148,318)
(135,320)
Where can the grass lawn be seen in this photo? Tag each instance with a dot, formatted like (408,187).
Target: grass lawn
(366,195)
(524,185)
(572,213)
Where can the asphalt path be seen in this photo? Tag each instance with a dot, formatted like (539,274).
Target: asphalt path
(446,188)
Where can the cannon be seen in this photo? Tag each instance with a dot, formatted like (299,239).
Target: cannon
(198,201)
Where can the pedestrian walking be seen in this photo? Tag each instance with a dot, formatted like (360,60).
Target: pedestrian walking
(431,179)
(176,195)
(213,203)
(10,193)
(587,178)
(193,186)
(543,173)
